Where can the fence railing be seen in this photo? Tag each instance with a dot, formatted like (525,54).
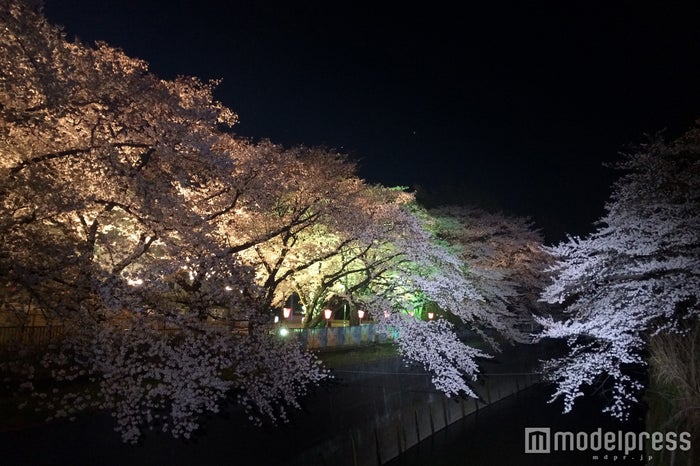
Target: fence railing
(311,338)
(338,337)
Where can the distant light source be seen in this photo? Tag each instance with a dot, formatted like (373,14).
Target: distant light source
(287,311)
(277,319)
(360,314)
(327,313)
(227,288)
(136,282)
(411,313)
(284,332)
(430,315)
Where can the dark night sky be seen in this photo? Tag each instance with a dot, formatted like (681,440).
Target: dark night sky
(515,105)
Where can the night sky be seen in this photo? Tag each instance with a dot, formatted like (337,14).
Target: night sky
(511,105)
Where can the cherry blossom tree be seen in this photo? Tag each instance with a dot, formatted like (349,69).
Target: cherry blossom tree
(637,275)
(343,259)
(117,187)
(317,213)
(433,271)
(505,259)
(131,215)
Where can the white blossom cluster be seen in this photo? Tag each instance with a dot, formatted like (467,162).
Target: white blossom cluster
(273,374)
(465,277)
(149,378)
(434,345)
(636,275)
(436,272)
(144,376)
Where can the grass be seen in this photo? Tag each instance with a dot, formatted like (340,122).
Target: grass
(674,393)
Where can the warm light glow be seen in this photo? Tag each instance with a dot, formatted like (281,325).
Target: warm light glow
(286,312)
(327,313)
(227,288)
(284,332)
(277,319)
(430,316)
(360,314)
(136,282)
(411,313)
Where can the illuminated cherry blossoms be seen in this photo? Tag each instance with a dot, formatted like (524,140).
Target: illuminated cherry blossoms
(637,275)
(132,217)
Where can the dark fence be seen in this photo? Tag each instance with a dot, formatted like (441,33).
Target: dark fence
(312,338)
(339,337)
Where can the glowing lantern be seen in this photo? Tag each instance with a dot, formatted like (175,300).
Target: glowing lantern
(360,314)
(286,312)
(430,316)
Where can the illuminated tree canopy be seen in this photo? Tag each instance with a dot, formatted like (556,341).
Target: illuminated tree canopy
(505,260)
(637,275)
(133,216)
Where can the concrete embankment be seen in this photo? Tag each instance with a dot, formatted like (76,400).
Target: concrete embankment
(380,409)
